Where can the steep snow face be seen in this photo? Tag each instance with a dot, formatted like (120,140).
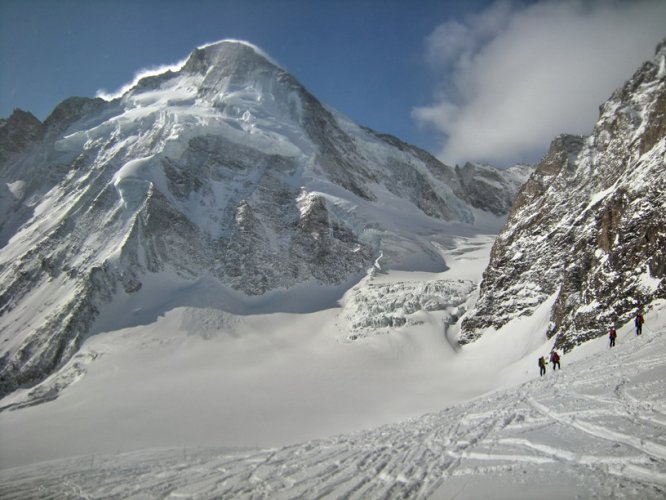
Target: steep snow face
(589,225)
(222,167)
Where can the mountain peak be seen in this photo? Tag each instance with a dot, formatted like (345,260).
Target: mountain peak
(230,58)
(221,167)
(17,132)
(227,54)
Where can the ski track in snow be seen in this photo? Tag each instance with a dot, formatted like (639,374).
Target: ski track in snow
(597,428)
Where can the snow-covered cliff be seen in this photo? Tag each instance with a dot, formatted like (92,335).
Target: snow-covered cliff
(588,230)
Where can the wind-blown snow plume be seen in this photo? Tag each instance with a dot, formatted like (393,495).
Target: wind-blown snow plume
(164,68)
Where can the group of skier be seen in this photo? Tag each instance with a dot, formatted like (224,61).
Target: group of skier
(638,323)
(612,335)
(554,358)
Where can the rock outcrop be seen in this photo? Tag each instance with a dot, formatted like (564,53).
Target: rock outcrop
(589,226)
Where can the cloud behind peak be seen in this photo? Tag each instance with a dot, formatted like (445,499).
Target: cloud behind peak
(514,76)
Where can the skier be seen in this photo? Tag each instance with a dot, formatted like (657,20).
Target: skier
(612,335)
(639,322)
(555,359)
(542,366)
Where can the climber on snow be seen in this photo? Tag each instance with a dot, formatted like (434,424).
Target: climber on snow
(639,322)
(555,359)
(542,366)
(612,335)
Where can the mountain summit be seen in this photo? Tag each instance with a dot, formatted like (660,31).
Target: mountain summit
(229,58)
(225,170)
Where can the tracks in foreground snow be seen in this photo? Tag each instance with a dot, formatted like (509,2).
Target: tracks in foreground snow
(596,428)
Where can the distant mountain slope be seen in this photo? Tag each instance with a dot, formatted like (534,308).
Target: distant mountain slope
(590,224)
(226,168)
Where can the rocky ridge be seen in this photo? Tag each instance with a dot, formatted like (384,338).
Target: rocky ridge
(588,229)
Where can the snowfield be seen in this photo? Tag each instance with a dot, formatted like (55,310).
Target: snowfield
(273,400)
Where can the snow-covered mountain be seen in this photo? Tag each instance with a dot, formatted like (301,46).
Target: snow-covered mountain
(224,168)
(275,295)
(587,232)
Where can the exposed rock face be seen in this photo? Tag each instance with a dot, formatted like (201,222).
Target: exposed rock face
(18,132)
(488,189)
(590,224)
(226,169)
(70,111)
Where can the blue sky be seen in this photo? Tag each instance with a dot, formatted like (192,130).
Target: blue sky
(452,77)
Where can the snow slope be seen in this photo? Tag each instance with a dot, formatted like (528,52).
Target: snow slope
(235,392)
(594,429)
(215,367)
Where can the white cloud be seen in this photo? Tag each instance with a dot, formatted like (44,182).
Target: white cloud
(514,77)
